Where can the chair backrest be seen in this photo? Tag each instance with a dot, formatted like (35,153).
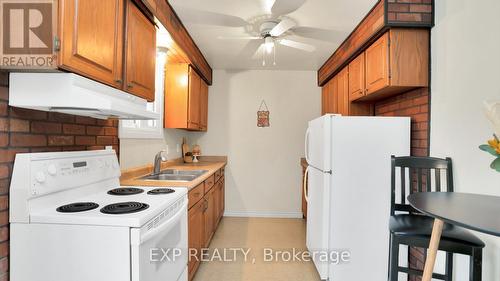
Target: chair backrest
(417,174)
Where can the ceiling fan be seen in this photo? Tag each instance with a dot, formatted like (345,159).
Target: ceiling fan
(266,30)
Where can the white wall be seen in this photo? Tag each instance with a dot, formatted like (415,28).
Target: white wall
(465,72)
(264,174)
(138,152)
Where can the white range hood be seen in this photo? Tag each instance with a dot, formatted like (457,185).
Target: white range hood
(73,94)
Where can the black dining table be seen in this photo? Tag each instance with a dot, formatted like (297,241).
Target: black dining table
(472,211)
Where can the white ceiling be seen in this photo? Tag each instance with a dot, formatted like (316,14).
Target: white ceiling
(204,19)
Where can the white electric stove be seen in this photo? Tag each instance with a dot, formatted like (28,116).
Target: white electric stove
(71,220)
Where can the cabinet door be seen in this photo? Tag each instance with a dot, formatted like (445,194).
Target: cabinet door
(332,95)
(196,234)
(141,54)
(203,105)
(343,92)
(90,51)
(357,78)
(221,199)
(328,99)
(194,100)
(324,99)
(377,65)
(209,216)
(216,204)
(176,95)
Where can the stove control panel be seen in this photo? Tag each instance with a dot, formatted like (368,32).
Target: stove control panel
(64,171)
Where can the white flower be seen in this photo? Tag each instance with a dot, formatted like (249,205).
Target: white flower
(492,110)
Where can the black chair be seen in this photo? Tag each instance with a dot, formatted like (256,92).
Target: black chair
(409,227)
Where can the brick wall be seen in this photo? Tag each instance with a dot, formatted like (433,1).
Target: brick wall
(23,130)
(410,11)
(416,105)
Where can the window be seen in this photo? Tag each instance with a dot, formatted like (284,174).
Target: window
(148,129)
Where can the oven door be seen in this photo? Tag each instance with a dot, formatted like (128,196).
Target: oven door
(159,251)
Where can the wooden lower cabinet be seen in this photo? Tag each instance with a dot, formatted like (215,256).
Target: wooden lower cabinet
(204,217)
(196,235)
(209,216)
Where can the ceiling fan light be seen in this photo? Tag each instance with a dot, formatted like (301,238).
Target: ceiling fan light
(269,44)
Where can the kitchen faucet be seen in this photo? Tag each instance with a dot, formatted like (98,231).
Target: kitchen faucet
(158,159)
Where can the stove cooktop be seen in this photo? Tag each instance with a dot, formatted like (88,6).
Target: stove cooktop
(103,208)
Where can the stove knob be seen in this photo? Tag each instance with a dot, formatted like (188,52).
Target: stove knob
(52,170)
(40,177)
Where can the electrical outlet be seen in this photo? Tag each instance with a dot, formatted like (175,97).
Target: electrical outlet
(166,150)
(178,148)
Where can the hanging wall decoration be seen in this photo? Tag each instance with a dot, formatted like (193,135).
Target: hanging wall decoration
(263,115)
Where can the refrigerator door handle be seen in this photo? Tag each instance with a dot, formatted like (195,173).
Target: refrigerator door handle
(306,143)
(304,184)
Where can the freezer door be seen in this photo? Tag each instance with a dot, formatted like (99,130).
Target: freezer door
(318,143)
(317,217)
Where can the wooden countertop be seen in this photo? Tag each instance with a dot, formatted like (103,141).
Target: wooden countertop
(131,177)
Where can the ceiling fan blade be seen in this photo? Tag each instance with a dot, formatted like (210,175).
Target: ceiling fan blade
(249,50)
(297,45)
(319,33)
(259,53)
(209,18)
(283,7)
(239,37)
(282,27)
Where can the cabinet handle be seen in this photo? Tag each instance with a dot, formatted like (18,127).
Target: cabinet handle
(119,81)
(130,85)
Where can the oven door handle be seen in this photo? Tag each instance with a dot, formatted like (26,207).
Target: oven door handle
(165,226)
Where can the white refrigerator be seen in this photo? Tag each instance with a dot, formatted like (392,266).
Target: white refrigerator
(349,193)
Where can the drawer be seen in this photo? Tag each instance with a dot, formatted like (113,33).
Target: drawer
(209,183)
(217,175)
(196,194)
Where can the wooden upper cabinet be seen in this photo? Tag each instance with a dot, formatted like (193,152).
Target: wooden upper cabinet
(357,77)
(186,98)
(377,65)
(409,58)
(324,99)
(91,34)
(342,94)
(397,62)
(194,100)
(141,54)
(100,39)
(203,105)
(176,95)
(328,98)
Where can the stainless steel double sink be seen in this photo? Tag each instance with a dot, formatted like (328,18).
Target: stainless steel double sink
(175,175)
